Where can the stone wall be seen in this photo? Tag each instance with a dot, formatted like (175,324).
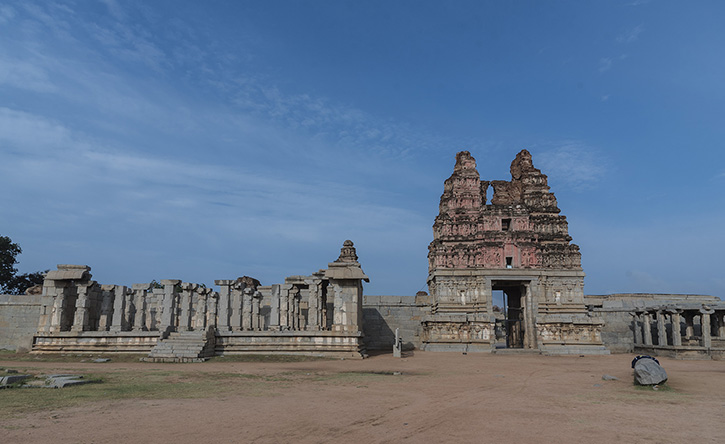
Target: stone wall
(18,320)
(614,309)
(383,314)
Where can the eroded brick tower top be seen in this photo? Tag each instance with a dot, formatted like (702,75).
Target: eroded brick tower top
(520,228)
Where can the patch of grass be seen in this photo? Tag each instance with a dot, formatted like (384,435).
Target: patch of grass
(268,358)
(6,355)
(131,385)
(357,377)
(649,388)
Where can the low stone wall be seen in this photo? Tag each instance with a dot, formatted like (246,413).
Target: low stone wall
(311,343)
(614,309)
(383,314)
(18,320)
(96,342)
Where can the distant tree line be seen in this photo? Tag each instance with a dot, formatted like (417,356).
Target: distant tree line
(10,281)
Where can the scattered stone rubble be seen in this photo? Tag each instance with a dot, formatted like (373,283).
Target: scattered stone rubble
(49,381)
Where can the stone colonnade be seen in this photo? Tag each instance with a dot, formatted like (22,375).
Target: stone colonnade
(679,326)
(72,302)
(329,299)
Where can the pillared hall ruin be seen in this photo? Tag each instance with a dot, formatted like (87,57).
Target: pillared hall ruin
(504,277)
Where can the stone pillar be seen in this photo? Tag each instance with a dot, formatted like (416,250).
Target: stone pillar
(168,306)
(636,319)
(223,304)
(198,322)
(80,320)
(323,306)
(529,316)
(187,298)
(211,312)
(236,321)
(689,324)
(721,325)
(119,308)
(140,291)
(338,310)
(284,307)
(647,328)
(46,305)
(59,305)
(676,328)
(104,323)
(661,328)
(705,313)
(257,322)
(293,308)
(130,313)
(274,316)
(155,310)
(247,308)
(297,313)
(715,324)
(313,304)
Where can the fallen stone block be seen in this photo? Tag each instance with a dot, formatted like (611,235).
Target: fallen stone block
(61,381)
(11,379)
(647,371)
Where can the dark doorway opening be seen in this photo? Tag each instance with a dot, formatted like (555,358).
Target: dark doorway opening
(510,325)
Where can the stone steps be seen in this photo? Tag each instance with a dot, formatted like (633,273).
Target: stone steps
(517,351)
(185,346)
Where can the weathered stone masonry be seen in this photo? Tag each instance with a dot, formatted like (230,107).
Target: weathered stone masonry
(174,320)
(517,243)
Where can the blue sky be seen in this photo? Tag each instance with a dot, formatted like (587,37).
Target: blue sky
(209,140)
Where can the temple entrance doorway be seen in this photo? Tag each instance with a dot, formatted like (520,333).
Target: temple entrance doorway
(508,296)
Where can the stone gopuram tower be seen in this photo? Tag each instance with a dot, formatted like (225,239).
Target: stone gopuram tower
(517,246)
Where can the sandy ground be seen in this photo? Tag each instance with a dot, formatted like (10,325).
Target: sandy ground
(438,397)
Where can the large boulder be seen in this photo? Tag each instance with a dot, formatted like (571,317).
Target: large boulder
(649,372)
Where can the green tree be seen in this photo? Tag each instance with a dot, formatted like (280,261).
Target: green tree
(10,282)
(8,252)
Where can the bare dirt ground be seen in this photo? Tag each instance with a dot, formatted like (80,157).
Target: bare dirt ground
(438,397)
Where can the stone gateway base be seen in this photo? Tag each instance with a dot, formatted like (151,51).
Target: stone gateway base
(459,333)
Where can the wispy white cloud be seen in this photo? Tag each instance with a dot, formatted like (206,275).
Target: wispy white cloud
(605,97)
(574,164)
(238,200)
(7,13)
(630,35)
(606,63)
(83,70)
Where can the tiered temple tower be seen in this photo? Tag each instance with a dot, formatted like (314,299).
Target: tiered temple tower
(519,244)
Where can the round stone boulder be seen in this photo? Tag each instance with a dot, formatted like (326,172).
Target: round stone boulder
(649,372)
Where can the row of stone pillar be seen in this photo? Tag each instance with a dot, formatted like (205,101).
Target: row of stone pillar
(180,306)
(712,324)
(239,306)
(116,308)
